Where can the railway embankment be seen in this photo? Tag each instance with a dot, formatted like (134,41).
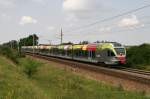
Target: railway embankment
(126,79)
(39,79)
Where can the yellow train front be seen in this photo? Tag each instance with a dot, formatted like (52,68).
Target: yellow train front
(108,53)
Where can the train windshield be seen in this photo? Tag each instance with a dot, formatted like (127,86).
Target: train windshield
(120,51)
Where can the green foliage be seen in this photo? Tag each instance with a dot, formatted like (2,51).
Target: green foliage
(11,44)
(28,41)
(84,42)
(51,82)
(138,56)
(15,85)
(10,53)
(30,67)
(62,84)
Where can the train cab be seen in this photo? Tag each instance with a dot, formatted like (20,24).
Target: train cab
(111,53)
(121,55)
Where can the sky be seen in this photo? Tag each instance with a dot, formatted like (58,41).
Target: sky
(20,18)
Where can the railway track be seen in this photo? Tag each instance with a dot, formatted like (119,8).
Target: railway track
(135,75)
(143,72)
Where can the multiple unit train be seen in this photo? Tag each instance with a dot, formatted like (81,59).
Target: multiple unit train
(108,53)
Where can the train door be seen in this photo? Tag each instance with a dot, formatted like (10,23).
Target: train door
(92,54)
(108,56)
(89,54)
(103,56)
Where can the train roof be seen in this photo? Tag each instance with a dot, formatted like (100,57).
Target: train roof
(91,46)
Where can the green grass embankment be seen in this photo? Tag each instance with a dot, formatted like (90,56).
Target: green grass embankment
(14,84)
(47,81)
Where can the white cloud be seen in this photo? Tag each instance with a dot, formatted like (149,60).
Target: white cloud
(84,9)
(27,20)
(71,17)
(39,1)
(105,29)
(142,25)
(4,16)
(7,3)
(129,22)
(86,5)
(50,28)
(77,9)
(75,5)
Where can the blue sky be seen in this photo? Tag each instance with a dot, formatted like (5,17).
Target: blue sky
(19,18)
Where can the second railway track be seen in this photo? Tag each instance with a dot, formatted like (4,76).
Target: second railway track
(142,72)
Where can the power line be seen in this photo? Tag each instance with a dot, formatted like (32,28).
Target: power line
(123,30)
(113,26)
(110,18)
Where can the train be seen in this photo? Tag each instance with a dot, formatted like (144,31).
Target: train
(111,53)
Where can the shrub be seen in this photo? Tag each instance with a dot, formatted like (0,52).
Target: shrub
(138,55)
(10,53)
(30,67)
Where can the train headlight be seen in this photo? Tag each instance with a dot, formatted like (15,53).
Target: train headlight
(98,55)
(114,59)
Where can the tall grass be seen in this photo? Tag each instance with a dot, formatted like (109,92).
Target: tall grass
(14,84)
(61,84)
(50,82)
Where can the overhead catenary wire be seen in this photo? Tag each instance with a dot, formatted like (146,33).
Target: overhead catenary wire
(112,26)
(110,18)
(123,30)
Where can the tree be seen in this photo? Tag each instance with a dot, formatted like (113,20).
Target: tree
(97,42)
(29,41)
(69,43)
(84,42)
(11,44)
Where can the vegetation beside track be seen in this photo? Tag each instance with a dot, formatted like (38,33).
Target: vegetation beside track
(139,57)
(11,54)
(47,81)
(14,84)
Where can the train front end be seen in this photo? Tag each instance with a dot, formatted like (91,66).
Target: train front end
(120,53)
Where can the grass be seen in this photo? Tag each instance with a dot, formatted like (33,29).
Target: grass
(11,54)
(14,84)
(61,84)
(50,82)
(30,67)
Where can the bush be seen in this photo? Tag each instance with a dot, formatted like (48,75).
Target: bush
(138,56)
(10,53)
(30,67)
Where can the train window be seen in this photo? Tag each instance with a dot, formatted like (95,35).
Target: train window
(84,53)
(93,54)
(76,53)
(110,53)
(120,51)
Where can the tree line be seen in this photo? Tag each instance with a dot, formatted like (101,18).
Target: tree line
(27,41)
